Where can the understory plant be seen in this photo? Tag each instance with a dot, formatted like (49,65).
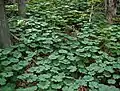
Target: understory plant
(56,48)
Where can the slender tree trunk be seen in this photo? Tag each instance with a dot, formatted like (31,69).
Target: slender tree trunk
(4,30)
(105,1)
(22,7)
(111,9)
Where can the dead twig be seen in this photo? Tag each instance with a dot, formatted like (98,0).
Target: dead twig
(15,37)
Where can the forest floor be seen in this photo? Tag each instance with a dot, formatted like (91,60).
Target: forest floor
(56,48)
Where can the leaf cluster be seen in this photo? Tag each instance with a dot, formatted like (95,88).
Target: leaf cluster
(59,50)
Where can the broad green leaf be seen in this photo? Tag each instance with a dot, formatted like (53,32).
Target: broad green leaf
(53,56)
(57,78)
(17,54)
(115,76)
(44,77)
(5,63)
(7,74)
(33,88)
(88,78)
(43,85)
(63,51)
(111,81)
(7,51)
(72,68)
(56,86)
(2,81)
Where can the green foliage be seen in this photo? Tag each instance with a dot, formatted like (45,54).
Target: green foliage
(59,50)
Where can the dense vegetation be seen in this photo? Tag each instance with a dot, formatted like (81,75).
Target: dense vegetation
(61,45)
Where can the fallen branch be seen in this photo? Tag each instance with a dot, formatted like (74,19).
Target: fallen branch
(15,37)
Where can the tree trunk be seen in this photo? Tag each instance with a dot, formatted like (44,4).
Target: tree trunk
(4,30)
(111,9)
(22,7)
(106,5)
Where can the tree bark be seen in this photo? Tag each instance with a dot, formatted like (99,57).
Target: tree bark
(111,9)
(22,7)
(105,2)
(4,30)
